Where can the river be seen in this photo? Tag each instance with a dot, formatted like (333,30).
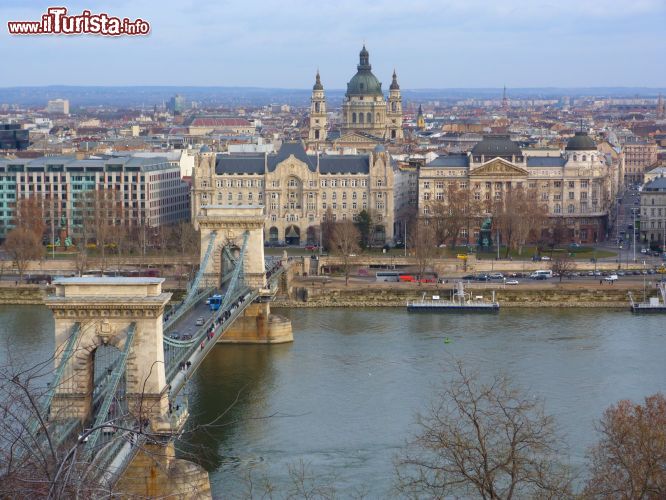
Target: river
(342,398)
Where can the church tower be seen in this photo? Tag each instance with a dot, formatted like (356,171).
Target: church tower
(394,111)
(317,113)
(661,108)
(420,119)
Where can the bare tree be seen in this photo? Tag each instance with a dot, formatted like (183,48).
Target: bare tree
(629,461)
(484,440)
(423,246)
(327,227)
(562,265)
(457,210)
(29,214)
(23,245)
(345,244)
(518,216)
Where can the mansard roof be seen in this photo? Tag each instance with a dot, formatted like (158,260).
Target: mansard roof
(239,164)
(344,164)
(447,161)
(545,161)
(258,164)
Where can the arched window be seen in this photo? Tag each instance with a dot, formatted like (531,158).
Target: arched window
(393,107)
(353,117)
(317,106)
(369,117)
(393,134)
(316,134)
(378,120)
(575,157)
(360,117)
(584,158)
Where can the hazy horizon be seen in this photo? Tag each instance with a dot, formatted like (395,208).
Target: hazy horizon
(449,44)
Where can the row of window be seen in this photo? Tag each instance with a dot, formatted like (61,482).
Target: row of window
(292,182)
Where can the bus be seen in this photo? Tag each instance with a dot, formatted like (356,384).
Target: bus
(392,276)
(214,302)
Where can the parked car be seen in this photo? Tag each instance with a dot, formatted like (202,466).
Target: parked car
(311,248)
(496,276)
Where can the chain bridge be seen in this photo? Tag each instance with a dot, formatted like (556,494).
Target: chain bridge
(123,356)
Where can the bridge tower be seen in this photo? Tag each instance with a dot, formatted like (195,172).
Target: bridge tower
(227,224)
(108,312)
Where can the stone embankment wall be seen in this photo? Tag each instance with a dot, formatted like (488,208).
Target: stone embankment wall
(318,296)
(23,294)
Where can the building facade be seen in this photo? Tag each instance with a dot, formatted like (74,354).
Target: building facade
(58,106)
(639,155)
(653,212)
(297,189)
(149,191)
(574,187)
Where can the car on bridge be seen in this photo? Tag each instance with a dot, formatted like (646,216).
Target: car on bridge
(200,321)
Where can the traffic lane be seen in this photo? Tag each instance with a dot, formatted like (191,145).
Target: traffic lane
(186,325)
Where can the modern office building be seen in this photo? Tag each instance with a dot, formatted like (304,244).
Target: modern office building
(58,106)
(149,191)
(13,137)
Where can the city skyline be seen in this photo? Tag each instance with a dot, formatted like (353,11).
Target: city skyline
(276,45)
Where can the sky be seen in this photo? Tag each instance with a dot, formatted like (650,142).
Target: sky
(281,43)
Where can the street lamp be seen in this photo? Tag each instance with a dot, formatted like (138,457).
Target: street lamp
(633,211)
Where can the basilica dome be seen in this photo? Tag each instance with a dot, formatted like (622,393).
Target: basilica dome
(364,82)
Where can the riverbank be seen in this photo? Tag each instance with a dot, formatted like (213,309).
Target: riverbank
(529,295)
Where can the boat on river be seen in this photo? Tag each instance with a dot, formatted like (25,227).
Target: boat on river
(653,304)
(460,301)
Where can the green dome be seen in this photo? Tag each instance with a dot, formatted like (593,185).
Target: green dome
(364,82)
(581,142)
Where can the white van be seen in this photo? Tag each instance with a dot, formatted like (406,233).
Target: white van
(541,275)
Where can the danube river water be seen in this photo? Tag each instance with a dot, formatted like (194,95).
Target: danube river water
(342,398)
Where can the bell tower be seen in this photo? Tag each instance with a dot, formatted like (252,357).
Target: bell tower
(394,111)
(318,123)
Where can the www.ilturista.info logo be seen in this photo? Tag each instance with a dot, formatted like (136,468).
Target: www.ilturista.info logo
(57,22)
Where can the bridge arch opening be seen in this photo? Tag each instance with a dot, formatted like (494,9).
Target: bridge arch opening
(104,359)
(292,236)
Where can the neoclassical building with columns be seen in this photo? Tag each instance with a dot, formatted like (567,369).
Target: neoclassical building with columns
(297,189)
(575,186)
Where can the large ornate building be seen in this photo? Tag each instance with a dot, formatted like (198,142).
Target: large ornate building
(368,118)
(575,187)
(297,189)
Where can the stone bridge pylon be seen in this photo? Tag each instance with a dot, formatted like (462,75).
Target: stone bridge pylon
(227,224)
(102,312)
